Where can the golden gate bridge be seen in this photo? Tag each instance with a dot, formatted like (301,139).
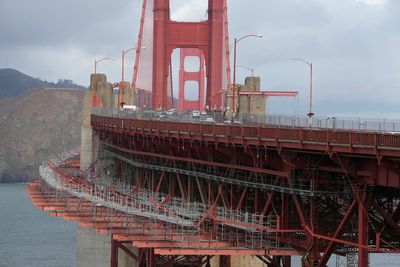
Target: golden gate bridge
(184,190)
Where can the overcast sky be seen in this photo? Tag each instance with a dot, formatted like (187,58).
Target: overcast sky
(353,45)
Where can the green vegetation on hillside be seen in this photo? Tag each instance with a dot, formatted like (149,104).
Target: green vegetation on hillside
(14,83)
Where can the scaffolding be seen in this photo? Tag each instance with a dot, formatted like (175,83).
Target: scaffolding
(183,220)
(260,180)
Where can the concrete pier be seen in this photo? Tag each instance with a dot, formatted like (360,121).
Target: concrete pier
(94,250)
(246,104)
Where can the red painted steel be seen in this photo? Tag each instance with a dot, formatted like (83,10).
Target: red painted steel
(214,164)
(140,232)
(363,203)
(373,150)
(313,140)
(169,35)
(319,241)
(233,252)
(143,98)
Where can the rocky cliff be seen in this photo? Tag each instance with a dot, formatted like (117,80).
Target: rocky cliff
(35,126)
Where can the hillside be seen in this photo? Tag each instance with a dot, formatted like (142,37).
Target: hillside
(14,83)
(35,126)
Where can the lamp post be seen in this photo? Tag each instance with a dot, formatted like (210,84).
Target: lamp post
(121,88)
(237,40)
(121,92)
(310,113)
(94,99)
(247,68)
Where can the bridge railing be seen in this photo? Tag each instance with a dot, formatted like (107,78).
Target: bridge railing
(321,122)
(369,141)
(317,122)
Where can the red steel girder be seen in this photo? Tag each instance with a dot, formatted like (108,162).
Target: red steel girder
(363,147)
(227,252)
(340,141)
(210,163)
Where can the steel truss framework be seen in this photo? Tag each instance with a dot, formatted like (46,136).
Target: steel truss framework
(125,229)
(323,188)
(321,203)
(155,239)
(185,192)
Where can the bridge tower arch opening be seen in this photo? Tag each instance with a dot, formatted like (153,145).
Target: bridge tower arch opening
(191,80)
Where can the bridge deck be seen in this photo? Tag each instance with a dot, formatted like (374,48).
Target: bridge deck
(379,144)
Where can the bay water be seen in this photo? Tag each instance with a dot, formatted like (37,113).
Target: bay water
(29,237)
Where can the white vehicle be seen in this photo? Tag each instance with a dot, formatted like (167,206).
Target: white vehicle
(195,114)
(130,110)
(129,107)
(171,111)
(233,122)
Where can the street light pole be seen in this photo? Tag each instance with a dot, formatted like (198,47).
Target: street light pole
(237,40)
(94,98)
(247,68)
(310,113)
(122,87)
(122,80)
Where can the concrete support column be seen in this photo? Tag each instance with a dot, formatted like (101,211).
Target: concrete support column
(128,97)
(86,133)
(251,104)
(246,261)
(93,250)
(103,90)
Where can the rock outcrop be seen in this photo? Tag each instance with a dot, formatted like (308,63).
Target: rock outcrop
(36,126)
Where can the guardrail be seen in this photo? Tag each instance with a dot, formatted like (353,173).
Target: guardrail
(346,141)
(317,122)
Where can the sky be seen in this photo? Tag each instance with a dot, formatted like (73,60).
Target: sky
(353,45)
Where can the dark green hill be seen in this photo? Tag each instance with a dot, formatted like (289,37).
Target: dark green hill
(14,83)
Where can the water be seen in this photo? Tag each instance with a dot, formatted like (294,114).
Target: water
(29,237)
